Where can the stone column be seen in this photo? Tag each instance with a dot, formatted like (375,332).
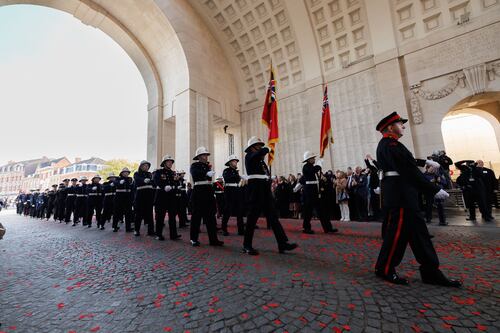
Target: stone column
(155,129)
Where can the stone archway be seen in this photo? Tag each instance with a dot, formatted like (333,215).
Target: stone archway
(471,129)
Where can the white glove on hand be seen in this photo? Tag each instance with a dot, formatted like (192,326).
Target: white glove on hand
(122,181)
(147,180)
(211,173)
(432,163)
(245,177)
(377,191)
(112,184)
(168,188)
(297,187)
(94,188)
(441,195)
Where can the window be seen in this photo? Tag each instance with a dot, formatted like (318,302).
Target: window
(231,143)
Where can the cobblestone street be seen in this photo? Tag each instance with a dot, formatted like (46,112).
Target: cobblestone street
(58,278)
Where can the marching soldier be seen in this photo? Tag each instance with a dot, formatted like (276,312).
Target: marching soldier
(34,201)
(51,202)
(123,200)
(95,202)
(143,198)
(232,196)
(81,202)
(68,205)
(490,182)
(182,200)
(202,199)
(261,198)
(312,195)
(473,189)
(167,184)
(219,195)
(108,188)
(401,183)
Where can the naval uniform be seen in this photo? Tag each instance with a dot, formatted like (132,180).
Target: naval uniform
(69,203)
(143,201)
(108,189)
(232,199)
(94,204)
(182,203)
(166,201)
(123,202)
(81,204)
(50,204)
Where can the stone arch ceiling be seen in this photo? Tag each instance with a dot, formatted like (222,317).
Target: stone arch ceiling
(255,32)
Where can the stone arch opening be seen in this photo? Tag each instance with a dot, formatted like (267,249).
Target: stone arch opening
(471,129)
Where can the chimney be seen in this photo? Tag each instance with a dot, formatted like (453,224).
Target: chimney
(78,159)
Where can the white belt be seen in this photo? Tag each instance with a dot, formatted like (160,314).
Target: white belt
(108,194)
(312,182)
(203,182)
(143,187)
(231,185)
(122,190)
(71,195)
(94,194)
(218,192)
(391,173)
(258,177)
(81,195)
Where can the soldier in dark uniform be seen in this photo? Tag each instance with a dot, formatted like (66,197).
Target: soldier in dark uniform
(108,189)
(202,199)
(401,183)
(34,201)
(95,202)
(232,196)
(143,198)
(51,202)
(42,204)
(60,200)
(219,195)
(27,203)
(68,205)
(167,183)
(471,183)
(81,202)
(19,203)
(260,198)
(182,200)
(311,193)
(490,182)
(123,200)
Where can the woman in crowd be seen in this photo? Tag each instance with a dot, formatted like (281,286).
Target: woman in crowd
(294,197)
(342,196)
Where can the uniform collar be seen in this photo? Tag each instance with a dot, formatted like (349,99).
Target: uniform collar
(391,135)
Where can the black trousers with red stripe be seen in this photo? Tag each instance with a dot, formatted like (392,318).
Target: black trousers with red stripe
(402,227)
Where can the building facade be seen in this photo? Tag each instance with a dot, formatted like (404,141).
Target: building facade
(206,66)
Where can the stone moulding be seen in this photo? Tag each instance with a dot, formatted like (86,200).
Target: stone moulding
(416,91)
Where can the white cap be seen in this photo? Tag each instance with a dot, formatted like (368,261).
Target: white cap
(166,158)
(253,141)
(231,158)
(83,178)
(124,170)
(200,151)
(96,176)
(144,162)
(308,155)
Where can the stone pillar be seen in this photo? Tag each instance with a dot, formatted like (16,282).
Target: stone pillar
(155,129)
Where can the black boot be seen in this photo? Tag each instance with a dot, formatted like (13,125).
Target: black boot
(250,251)
(392,278)
(287,247)
(436,277)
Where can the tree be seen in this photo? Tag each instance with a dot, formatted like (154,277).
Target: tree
(115,166)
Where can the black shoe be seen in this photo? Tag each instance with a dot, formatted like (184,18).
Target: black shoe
(74,224)
(176,237)
(160,238)
(287,247)
(216,243)
(332,231)
(472,219)
(309,232)
(137,233)
(116,229)
(250,251)
(195,243)
(225,233)
(89,225)
(102,227)
(392,278)
(437,277)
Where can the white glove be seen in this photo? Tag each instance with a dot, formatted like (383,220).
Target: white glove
(245,177)
(168,188)
(94,188)
(211,173)
(147,180)
(377,191)
(432,163)
(122,181)
(297,187)
(112,184)
(441,195)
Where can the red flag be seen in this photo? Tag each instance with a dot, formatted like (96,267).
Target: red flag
(326,135)
(270,117)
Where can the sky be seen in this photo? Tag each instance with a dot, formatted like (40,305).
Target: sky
(66,89)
